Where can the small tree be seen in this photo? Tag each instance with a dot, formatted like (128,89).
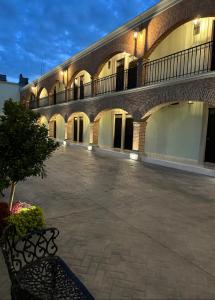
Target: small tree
(24,146)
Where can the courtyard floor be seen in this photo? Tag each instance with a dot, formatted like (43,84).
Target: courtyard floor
(128,230)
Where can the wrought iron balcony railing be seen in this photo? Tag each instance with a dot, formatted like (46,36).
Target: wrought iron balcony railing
(80,92)
(185,63)
(193,61)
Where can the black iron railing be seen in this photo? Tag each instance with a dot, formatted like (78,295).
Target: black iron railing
(43,102)
(59,97)
(119,81)
(193,61)
(80,92)
(189,62)
(33,104)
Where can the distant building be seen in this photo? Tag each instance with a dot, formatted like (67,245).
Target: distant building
(10,89)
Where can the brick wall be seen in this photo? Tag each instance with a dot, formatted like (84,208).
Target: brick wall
(155,30)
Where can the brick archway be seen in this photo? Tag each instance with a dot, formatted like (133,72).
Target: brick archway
(164,23)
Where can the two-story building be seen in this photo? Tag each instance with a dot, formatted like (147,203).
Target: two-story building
(147,89)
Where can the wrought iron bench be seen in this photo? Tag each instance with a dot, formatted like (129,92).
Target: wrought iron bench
(35,271)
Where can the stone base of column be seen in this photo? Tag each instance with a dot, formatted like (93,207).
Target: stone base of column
(91,147)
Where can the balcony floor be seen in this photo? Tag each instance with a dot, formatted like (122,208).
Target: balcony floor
(129,231)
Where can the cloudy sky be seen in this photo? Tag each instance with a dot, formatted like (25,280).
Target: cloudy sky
(37,35)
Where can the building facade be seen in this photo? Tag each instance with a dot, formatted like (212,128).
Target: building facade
(147,89)
(8,90)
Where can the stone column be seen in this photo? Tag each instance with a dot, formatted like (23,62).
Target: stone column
(51,129)
(145,72)
(140,74)
(94,134)
(136,136)
(93,85)
(50,98)
(91,133)
(66,131)
(66,94)
(69,131)
(139,131)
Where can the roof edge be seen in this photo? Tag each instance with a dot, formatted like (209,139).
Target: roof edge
(141,18)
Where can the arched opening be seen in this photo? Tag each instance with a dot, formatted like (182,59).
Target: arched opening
(188,50)
(118,73)
(32,97)
(81,86)
(43,98)
(181,132)
(57,127)
(32,101)
(57,93)
(115,129)
(78,130)
(43,121)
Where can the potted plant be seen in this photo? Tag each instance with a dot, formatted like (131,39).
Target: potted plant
(24,147)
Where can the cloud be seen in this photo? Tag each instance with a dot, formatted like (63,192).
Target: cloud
(44,32)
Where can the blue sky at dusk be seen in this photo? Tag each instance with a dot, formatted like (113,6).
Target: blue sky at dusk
(37,35)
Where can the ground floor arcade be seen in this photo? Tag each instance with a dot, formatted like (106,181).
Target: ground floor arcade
(176,131)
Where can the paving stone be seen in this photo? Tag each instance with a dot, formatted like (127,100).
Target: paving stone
(129,231)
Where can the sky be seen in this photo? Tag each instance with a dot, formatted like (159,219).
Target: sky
(37,35)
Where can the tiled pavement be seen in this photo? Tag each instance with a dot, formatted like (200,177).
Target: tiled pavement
(128,230)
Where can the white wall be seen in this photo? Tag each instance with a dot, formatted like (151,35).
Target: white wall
(60,130)
(87,77)
(43,93)
(43,121)
(8,90)
(106,71)
(107,126)
(176,131)
(86,129)
(183,38)
(106,129)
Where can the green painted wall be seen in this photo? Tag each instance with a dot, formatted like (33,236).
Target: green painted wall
(175,130)
(106,129)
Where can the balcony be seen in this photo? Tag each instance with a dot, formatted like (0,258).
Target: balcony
(190,62)
(193,61)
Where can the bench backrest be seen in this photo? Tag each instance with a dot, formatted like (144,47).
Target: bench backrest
(19,251)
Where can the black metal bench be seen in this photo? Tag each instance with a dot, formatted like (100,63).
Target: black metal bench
(35,271)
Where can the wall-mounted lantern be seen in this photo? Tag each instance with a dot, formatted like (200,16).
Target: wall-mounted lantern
(135,34)
(196,26)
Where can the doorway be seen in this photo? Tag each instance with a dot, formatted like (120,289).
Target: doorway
(210,141)
(81,129)
(213,48)
(82,87)
(132,75)
(75,130)
(120,75)
(128,143)
(55,96)
(118,131)
(55,129)
(75,91)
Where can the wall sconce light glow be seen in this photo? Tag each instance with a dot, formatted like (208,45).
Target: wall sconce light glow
(134,156)
(197,26)
(196,21)
(64,143)
(62,73)
(90,148)
(190,102)
(135,35)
